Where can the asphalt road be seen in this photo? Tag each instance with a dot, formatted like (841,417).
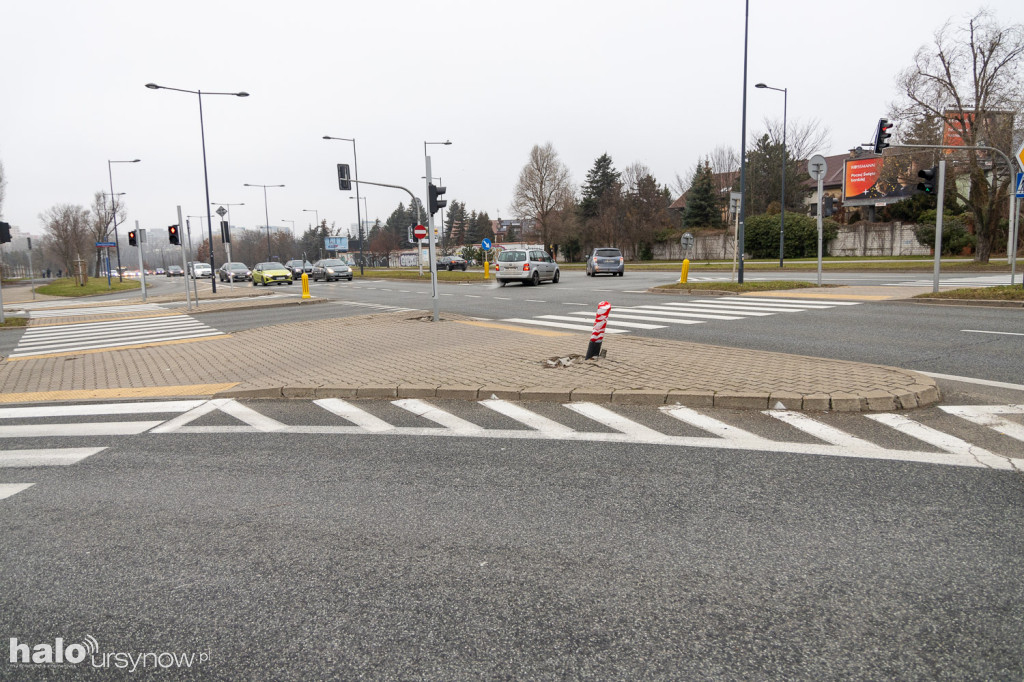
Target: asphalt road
(304,556)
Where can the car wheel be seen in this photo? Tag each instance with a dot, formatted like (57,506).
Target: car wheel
(501,282)
(290,282)
(554,280)
(535,280)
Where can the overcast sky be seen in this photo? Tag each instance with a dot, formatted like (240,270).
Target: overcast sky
(657,82)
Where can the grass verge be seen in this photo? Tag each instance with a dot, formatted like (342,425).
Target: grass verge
(442,275)
(95,285)
(737,288)
(1000,293)
(11,322)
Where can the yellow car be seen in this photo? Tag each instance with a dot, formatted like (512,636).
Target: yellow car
(271,273)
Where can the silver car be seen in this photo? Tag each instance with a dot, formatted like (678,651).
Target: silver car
(606,260)
(529,266)
(330,269)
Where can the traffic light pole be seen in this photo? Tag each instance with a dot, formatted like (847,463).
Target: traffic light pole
(184,268)
(938,225)
(141,238)
(432,247)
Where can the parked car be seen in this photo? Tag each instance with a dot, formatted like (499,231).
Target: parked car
(271,273)
(450,263)
(158,271)
(234,272)
(297,266)
(197,269)
(529,266)
(330,269)
(606,260)
(175,271)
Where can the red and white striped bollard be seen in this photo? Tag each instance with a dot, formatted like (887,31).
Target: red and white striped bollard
(600,322)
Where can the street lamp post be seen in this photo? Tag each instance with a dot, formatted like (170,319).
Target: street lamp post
(206,178)
(313,210)
(266,212)
(285,220)
(105,256)
(113,206)
(740,237)
(782,220)
(359,215)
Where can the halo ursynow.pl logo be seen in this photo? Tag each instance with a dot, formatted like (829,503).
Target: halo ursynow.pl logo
(57,653)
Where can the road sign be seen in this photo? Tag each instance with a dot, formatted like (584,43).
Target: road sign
(221,212)
(1020,185)
(420,232)
(1020,156)
(817,167)
(106,245)
(686,241)
(486,245)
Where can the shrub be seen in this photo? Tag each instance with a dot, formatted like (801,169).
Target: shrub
(761,235)
(954,232)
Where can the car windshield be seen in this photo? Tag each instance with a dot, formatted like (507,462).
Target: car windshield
(273,266)
(511,256)
(332,263)
(235,266)
(608,253)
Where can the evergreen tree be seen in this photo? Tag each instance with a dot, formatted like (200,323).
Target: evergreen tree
(703,204)
(764,178)
(600,179)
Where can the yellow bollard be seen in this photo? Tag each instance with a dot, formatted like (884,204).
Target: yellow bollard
(685,272)
(487,269)
(305,285)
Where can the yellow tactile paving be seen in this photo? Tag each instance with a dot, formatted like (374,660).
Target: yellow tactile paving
(524,330)
(112,393)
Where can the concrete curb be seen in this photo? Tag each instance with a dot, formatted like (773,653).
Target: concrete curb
(692,292)
(968,302)
(919,395)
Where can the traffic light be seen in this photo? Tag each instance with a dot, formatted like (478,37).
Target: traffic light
(132,241)
(435,201)
(172,234)
(828,206)
(5,233)
(882,134)
(929,177)
(344,181)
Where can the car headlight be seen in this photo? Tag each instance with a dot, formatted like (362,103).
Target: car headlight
(330,271)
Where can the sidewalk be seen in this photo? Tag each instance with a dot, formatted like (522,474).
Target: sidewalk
(405,355)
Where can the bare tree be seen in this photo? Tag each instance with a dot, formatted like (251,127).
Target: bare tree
(803,138)
(544,183)
(969,80)
(67,233)
(101,224)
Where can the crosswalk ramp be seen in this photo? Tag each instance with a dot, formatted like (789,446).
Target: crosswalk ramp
(927,438)
(95,336)
(662,315)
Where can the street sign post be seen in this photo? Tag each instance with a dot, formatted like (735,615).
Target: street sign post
(486,245)
(420,232)
(1020,185)
(817,168)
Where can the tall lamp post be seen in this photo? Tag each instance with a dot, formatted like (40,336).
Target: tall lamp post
(285,220)
(206,179)
(266,212)
(359,215)
(313,210)
(782,220)
(113,214)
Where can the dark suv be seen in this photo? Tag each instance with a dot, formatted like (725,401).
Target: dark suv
(297,266)
(607,260)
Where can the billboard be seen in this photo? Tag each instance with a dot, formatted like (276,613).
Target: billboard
(873,180)
(336,243)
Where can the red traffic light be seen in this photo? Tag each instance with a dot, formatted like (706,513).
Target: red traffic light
(172,234)
(132,241)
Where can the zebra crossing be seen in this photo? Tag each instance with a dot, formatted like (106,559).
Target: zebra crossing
(659,316)
(977,281)
(92,336)
(820,435)
(88,311)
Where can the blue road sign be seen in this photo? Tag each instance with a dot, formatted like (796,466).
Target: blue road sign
(1020,185)
(109,245)
(486,245)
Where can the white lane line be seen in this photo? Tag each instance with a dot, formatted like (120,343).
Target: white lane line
(533,300)
(628,315)
(255,420)
(564,303)
(988,415)
(8,489)
(108,408)
(800,301)
(528,418)
(456,425)
(45,457)
(943,441)
(129,428)
(972,380)
(359,417)
(733,435)
(613,320)
(824,432)
(502,298)
(603,415)
(560,325)
(982,331)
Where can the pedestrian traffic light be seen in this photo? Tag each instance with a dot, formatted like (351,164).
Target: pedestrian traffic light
(435,201)
(882,134)
(929,177)
(5,233)
(132,241)
(172,234)
(344,181)
(828,206)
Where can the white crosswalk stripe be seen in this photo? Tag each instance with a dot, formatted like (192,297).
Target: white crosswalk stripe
(95,310)
(112,334)
(375,306)
(623,320)
(978,281)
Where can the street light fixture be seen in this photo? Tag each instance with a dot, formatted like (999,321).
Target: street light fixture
(206,178)
(782,220)
(266,211)
(313,210)
(359,215)
(113,214)
(285,220)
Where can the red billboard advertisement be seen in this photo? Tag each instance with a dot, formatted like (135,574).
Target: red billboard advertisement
(860,176)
